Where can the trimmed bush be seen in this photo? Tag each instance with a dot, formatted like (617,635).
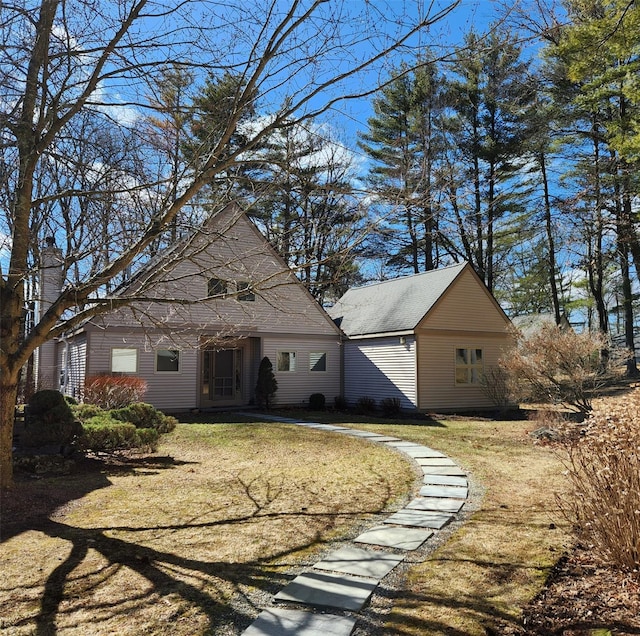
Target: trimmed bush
(143,415)
(84,411)
(113,391)
(340,403)
(366,404)
(49,421)
(390,406)
(267,385)
(104,434)
(316,402)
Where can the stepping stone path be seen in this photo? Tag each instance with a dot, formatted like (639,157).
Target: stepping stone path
(344,580)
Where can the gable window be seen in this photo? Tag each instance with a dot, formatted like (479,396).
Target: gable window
(286,361)
(317,361)
(124,360)
(217,287)
(167,361)
(244,291)
(469,367)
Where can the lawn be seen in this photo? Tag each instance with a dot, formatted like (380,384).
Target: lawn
(198,537)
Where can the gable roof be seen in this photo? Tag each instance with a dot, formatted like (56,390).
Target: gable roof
(394,305)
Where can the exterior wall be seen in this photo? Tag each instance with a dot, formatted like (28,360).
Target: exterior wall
(166,391)
(436,361)
(381,368)
(294,388)
(467,317)
(466,306)
(72,356)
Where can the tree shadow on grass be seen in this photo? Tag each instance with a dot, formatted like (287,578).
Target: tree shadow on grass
(35,498)
(82,588)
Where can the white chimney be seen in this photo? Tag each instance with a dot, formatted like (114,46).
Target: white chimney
(49,286)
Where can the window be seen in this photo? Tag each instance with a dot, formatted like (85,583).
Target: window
(469,368)
(216,287)
(244,291)
(286,361)
(317,361)
(124,360)
(167,361)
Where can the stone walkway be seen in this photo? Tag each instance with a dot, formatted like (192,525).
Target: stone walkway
(345,579)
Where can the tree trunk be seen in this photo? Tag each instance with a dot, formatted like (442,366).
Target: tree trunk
(9,397)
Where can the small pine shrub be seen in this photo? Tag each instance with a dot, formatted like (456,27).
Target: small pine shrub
(340,403)
(143,415)
(113,391)
(390,406)
(366,404)
(316,402)
(49,421)
(84,411)
(104,434)
(267,385)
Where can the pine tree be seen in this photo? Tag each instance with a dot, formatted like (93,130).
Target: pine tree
(267,385)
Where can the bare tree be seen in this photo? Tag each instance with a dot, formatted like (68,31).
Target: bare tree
(64,62)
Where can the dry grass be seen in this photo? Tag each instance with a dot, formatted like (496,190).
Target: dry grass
(188,545)
(480,580)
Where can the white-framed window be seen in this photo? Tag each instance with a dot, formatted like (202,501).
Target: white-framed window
(124,360)
(167,361)
(469,366)
(318,361)
(286,361)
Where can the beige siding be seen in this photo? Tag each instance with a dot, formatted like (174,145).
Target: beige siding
(73,355)
(166,391)
(466,306)
(240,253)
(379,369)
(296,387)
(436,361)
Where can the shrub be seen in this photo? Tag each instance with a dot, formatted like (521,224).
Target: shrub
(316,402)
(340,403)
(143,415)
(85,411)
(604,471)
(267,385)
(113,391)
(559,366)
(104,434)
(49,421)
(366,404)
(390,406)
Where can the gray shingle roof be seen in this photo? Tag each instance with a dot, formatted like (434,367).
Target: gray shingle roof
(393,305)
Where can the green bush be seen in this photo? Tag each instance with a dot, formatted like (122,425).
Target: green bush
(49,421)
(390,406)
(104,434)
(267,385)
(316,402)
(85,411)
(143,415)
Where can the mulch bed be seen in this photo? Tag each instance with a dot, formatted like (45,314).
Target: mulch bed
(580,598)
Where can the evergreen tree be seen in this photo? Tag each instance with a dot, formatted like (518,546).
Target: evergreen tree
(267,385)
(403,140)
(490,100)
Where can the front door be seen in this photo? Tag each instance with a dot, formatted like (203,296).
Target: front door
(221,383)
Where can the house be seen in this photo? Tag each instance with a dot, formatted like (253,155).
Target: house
(425,339)
(206,312)
(529,324)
